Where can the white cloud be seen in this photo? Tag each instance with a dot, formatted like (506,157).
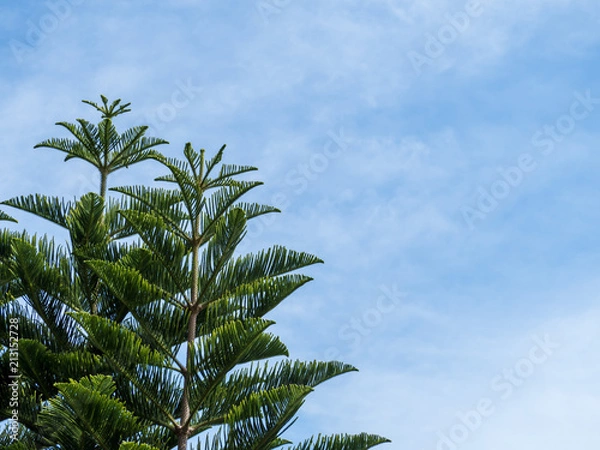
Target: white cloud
(385,210)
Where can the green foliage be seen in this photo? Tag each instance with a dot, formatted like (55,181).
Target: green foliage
(147,328)
(85,414)
(6,217)
(361,441)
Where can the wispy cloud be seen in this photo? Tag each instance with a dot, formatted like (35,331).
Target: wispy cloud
(373,162)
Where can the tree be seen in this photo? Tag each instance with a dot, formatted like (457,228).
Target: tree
(153,331)
(41,281)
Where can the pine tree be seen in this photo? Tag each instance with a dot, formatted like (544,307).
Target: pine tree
(161,321)
(41,281)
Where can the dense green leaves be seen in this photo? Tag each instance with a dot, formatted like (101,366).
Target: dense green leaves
(147,327)
(257,422)
(89,416)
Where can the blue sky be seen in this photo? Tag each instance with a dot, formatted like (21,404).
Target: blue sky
(440,156)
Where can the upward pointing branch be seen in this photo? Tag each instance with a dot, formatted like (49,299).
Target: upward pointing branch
(108,112)
(101,145)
